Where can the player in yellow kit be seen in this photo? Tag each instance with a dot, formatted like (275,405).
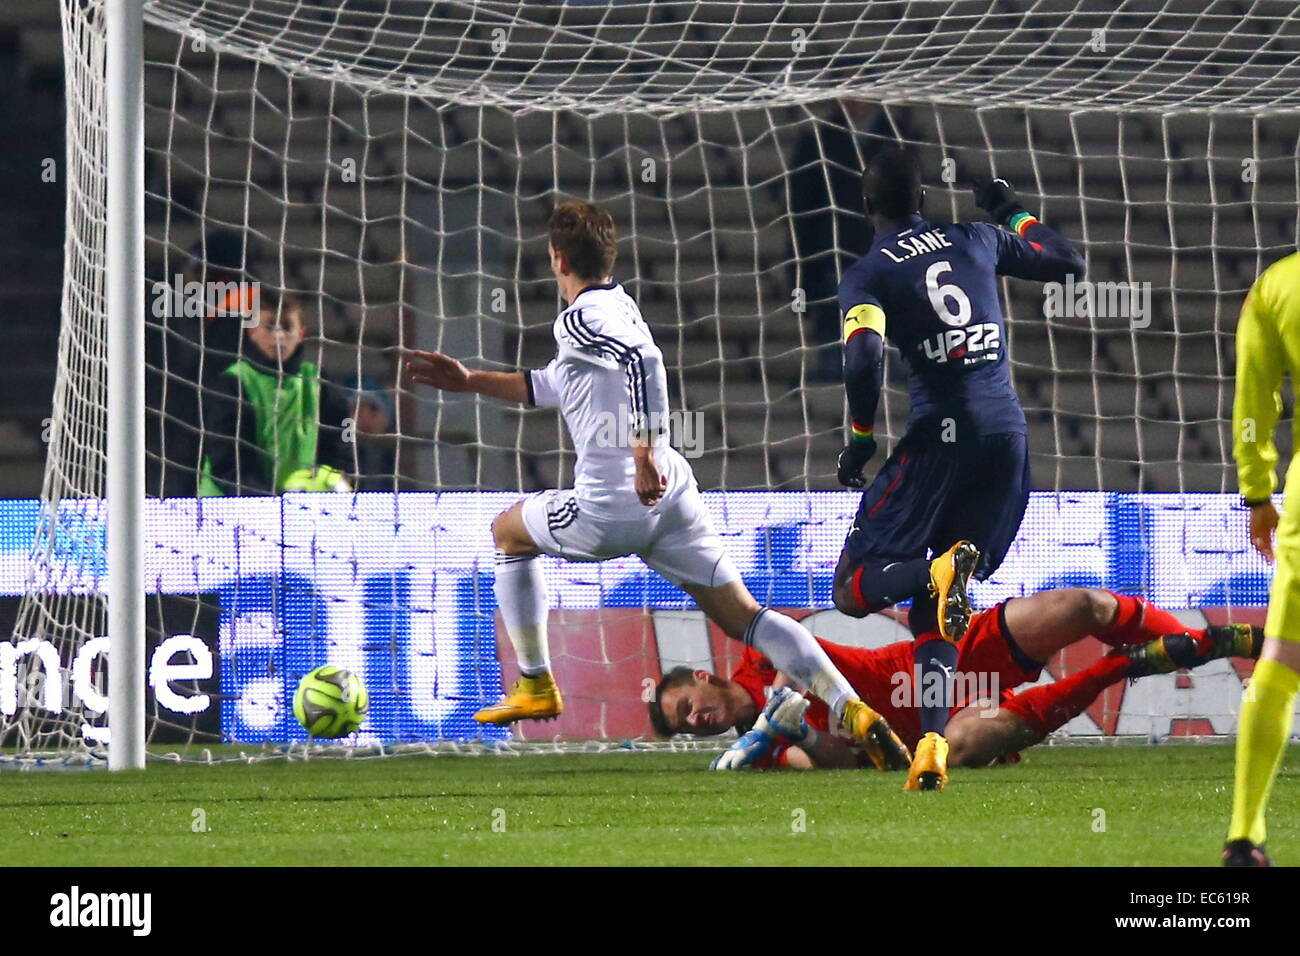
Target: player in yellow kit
(1268,346)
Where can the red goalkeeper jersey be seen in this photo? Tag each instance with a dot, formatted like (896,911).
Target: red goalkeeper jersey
(885,677)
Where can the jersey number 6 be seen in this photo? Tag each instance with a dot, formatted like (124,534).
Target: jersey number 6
(941,295)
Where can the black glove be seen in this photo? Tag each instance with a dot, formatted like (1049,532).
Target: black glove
(997,198)
(855,454)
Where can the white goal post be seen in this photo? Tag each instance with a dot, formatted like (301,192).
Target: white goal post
(382,169)
(124,451)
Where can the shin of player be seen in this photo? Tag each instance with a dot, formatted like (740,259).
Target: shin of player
(520,588)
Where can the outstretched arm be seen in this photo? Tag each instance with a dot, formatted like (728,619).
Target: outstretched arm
(1029,249)
(451,375)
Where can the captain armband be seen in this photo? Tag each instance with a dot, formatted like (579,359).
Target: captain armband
(864,317)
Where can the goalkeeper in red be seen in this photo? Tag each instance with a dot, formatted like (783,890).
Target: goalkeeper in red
(949,501)
(1005,648)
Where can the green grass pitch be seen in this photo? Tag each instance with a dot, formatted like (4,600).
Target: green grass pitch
(1163,805)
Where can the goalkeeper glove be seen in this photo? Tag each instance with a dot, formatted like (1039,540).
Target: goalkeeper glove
(748,748)
(855,454)
(783,718)
(997,198)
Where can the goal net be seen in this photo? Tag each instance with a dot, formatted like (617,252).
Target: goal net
(378,173)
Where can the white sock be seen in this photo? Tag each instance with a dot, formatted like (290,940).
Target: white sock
(521,594)
(796,653)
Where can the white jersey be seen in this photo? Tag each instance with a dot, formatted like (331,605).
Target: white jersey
(608,380)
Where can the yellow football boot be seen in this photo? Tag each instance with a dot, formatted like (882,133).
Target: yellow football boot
(929,770)
(876,737)
(949,574)
(531,698)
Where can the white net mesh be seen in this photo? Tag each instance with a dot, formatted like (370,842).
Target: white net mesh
(389,167)
(681,56)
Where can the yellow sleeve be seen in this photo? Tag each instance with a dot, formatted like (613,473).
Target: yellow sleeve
(1258,401)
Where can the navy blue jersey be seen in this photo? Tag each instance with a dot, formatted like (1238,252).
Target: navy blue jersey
(937,287)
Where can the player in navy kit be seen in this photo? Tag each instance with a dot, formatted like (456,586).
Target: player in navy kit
(957,483)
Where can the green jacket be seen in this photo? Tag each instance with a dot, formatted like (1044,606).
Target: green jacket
(262,431)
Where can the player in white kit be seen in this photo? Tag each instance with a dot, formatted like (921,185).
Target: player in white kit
(633,493)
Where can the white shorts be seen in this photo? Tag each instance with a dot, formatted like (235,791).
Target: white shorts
(677,541)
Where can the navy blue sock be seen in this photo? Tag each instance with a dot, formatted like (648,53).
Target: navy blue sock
(923,616)
(937,660)
(885,584)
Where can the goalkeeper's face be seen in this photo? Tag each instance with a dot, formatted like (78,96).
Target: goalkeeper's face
(704,706)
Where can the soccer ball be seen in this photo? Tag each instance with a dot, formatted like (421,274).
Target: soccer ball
(330,702)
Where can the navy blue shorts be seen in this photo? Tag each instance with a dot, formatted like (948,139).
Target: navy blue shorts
(931,494)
